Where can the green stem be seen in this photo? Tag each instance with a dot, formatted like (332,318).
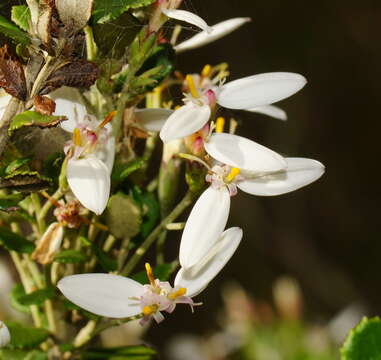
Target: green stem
(37,209)
(176,212)
(48,204)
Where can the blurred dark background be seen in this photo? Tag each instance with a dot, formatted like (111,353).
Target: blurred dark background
(326,235)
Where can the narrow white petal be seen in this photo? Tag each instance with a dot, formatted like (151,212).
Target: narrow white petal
(218,31)
(4,100)
(257,90)
(300,172)
(5,336)
(69,104)
(89,179)
(270,110)
(245,154)
(188,17)
(196,281)
(204,226)
(152,119)
(103,294)
(106,152)
(185,121)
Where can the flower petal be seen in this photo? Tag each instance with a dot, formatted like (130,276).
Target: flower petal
(152,119)
(89,179)
(300,172)
(237,151)
(106,152)
(103,294)
(218,31)
(196,280)
(188,17)
(185,121)
(270,110)
(69,104)
(257,90)
(5,336)
(204,226)
(4,100)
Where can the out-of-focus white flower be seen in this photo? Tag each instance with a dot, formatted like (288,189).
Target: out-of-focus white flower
(152,119)
(270,110)
(4,100)
(5,336)
(251,92)
(218,31)
(120,297)
(251,167)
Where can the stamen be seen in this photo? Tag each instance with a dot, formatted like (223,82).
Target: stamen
(232,174)
(176,294)
(107,119)
(220,124)
(77,137)
(149,309)
(206,71)
(150,275)
(192,87)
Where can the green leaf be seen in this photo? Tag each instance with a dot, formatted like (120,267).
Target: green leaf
(161,272)
(10,202)
(12,31)
(71,257)
(21,16)
(8,354)
(12,241)
(15,165)
(107,262)
(123,216)
(121,353)
(25,336)
(34,118)
(36,355)
(37,297)
(25,181)
(105,10)
(131,167)
(70,306)
(364,341)
(16,293)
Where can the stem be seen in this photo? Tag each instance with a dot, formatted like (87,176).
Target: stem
(5,121)
(177,211)
(37,209)
(48,204)
(91,46)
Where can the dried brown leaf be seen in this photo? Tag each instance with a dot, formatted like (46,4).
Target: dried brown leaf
(44,105)
(12,77)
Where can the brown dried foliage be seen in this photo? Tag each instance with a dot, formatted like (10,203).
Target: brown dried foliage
(12,77)
(44,105)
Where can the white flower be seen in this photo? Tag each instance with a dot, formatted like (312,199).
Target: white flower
(120,297)
(4,100)
(218,31)
(247,93)
(188,17)
(5,336)
(245,165)
(152,119)
(270,110)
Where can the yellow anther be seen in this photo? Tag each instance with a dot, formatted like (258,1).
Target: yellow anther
(206,71)
(77,137)
(149,309)
(150,275)
(232,174)
(177,107)
(107,119)
(176,294)
(220,124)
(192,86)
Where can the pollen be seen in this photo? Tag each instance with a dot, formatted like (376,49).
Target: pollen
(206,71)
(149,309)
(150,275)
(77,137)
(191,86)
(176,294)
(232,174)
(220,124)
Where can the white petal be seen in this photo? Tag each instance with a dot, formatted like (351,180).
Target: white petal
(185,121)
(69,104)
(300,172)
(152,119)
(103,294)
(218,31)
(270,110)
(5,336)
(89,179)
(204,226)
(196,281)
(4,100)
(107,153)
(245,154)
(188,17)
(257,90)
